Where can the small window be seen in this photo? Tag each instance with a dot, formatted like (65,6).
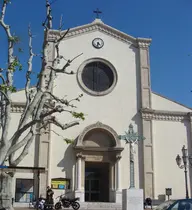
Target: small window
(24,192)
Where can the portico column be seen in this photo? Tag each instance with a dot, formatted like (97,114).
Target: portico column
(79,192)
(118,196)
(79,156)
(118,173)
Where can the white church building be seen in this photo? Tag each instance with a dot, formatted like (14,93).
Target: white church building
(113,74)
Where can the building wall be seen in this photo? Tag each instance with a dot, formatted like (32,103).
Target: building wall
(117,109)
(169,137)
(161,103)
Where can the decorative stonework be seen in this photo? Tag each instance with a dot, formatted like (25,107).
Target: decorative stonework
(17,107)
(189,116)
(80,155)
(118,157)
(96,126)
(94,158)
(98,25)
(144,43)
(160,115)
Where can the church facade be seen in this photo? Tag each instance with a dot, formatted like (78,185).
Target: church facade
(113,74)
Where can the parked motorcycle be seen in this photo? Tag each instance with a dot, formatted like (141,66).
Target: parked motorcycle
(67,202)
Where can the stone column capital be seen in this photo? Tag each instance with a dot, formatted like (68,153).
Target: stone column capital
(143,43)
(80,155)
(118,157)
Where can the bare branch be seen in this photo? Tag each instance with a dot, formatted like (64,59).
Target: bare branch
(76,99)
(58,42)
(61,23)
(57,109)
(2,23)
(48,17)
(31,108)
(9,74)
(28,73)
(63,70)
(64,126)
(3,11)
(6,97)
(76,57)
(62,101)
(31,55)
(20,144)
(25,151)
(63,36)
(65,139)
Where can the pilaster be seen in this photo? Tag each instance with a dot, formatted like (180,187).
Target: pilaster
(44,150)
(189,147)
(146,128)
(144,66)
(43,161)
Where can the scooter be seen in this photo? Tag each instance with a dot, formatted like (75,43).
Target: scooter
(41,204)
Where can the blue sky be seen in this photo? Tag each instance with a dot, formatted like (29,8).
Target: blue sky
(167,22)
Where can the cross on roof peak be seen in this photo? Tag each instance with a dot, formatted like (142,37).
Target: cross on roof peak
(97,12)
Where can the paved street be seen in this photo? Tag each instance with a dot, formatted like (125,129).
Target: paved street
(16,208)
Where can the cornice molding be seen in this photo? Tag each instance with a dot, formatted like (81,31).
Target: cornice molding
(161,115)
(17,107)
(100,26)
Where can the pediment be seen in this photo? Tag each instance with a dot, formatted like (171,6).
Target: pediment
(98,25)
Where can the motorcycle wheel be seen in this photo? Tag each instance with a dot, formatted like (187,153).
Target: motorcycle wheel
(58,205)
(75,205)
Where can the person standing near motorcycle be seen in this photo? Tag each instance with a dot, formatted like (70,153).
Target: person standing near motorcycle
(49,196)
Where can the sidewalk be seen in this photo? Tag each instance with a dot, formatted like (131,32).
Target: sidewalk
(24,208)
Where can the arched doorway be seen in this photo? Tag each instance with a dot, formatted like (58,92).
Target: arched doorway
(98,150)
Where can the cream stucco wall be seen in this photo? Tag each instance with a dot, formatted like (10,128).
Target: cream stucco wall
(115,109)
(169,137)
(19,96)
(161,103)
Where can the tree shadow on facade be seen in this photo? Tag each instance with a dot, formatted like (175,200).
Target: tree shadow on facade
(67,164)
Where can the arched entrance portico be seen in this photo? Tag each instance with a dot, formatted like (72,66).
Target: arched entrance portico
(98,153)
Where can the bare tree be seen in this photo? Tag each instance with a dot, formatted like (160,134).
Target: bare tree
(40,106)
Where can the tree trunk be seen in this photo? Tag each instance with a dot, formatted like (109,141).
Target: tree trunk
(6,191)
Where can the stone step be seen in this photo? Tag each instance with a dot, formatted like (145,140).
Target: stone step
(100,205)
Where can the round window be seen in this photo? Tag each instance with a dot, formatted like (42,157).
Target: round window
(97,77)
